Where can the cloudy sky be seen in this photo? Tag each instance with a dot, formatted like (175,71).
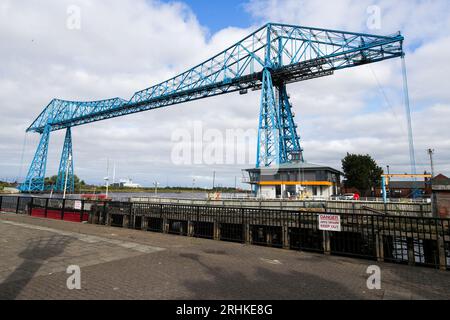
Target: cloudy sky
(122,46)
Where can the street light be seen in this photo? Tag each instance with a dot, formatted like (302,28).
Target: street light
(107,185)
(431,153)
(156,188)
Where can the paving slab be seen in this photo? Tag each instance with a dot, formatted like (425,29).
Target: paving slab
(130,264)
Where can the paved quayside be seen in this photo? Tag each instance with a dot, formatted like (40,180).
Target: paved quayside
(127,264)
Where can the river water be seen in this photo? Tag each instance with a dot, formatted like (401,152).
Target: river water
(124,196)
(183,195)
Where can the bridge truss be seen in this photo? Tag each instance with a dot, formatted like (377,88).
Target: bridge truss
(267,60)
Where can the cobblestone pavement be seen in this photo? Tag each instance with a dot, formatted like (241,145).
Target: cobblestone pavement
(127,264)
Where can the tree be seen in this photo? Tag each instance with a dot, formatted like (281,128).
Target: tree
(361,172)
(51,181)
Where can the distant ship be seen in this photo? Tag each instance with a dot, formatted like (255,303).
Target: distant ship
(128,183)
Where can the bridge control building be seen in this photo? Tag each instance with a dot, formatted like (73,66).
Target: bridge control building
(295,180)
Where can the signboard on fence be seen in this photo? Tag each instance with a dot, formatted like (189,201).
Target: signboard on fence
(328,222)
(77,205)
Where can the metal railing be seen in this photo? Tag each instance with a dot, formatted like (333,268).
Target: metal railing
(338,207)
(396,239)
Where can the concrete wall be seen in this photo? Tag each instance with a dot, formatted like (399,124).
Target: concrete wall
(267,192)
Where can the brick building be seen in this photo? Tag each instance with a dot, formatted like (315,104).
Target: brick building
(441,196)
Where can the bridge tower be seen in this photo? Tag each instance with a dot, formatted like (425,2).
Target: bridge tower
(65,172)
(35,180)
(278,139)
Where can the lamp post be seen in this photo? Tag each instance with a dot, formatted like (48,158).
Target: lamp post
(156,188)
(431,153)
(107,177)
(107,185)
(386,185)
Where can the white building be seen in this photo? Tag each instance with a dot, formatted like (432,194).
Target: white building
(299,180)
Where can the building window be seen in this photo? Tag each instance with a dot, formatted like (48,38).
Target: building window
(314,191)
(321,175)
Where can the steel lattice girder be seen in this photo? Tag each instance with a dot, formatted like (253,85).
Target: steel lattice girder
(35,180)
(289,138)
(293,53)
(66,166)
(269,126)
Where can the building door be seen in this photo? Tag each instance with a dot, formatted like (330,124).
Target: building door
(278,191)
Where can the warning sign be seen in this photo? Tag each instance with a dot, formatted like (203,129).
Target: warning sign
(328,222)
(77,205)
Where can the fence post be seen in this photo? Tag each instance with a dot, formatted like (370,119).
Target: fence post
(63,209)
(411,256)
(247,230)
(442,253)
(1,201)
(106,215)
(285,231)
(441,243)
(82,211)
(144,220)
(379,244)
(165,221)
(46,208)
(133,215)
(326,243)
(127,218)
(191,223)
(216,228)
(30,208)
(17,205)
(243,224)
(94,214)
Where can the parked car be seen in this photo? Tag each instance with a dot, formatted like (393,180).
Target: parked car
(349,197)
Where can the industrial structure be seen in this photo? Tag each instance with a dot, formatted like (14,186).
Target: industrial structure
(267,60)
(415,186)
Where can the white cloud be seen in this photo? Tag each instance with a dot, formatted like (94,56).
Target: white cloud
(337,113)
(125,46)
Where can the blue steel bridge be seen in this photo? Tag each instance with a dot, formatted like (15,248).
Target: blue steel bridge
(267,60)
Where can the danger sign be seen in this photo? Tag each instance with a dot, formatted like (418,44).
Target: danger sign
(77,205)
(329,222)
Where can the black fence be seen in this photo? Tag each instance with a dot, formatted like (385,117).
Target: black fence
(396,239)
(408,209)
(53,208)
